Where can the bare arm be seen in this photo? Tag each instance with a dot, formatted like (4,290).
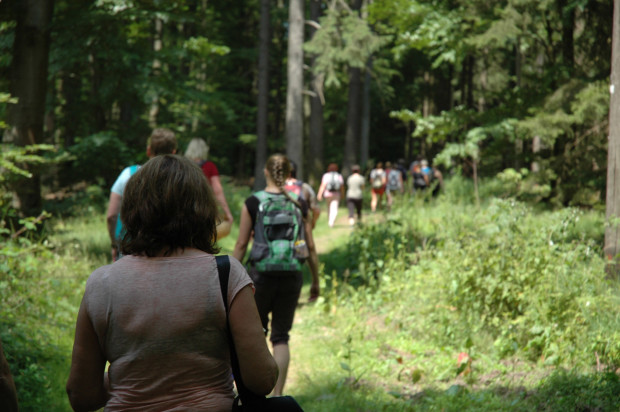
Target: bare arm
(319,195)
(8,393)
(258,368)
(218,191)
(245,233)
(85,387)
(112,215)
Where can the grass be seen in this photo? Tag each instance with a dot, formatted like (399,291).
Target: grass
(388,330)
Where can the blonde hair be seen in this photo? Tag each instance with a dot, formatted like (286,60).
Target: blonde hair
(279,168)
(197,149)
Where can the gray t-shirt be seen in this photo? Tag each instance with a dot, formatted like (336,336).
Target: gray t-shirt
(355,186)
(161,324)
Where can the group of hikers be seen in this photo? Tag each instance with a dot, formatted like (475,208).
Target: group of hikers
(177,324)
(390,181)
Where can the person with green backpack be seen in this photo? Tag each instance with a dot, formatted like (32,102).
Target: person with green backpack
(282,236)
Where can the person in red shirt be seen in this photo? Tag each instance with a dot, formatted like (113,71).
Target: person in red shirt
(198,150)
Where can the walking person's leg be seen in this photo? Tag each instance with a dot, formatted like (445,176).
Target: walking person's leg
(373,200)
(333,210)
(289,289)
(351,206)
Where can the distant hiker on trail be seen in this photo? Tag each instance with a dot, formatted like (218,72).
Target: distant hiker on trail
(305,191)
(281,232)
(332,189)
(400,165)
(394,185)
(420,180)
(378,180)
(433,177)
(197,151)
(355,194)
(8,393)
(158,315)
(162,141)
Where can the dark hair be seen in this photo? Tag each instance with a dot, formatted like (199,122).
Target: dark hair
(332,167)
(167,204)
(293,169)
(379,165)
(162,141)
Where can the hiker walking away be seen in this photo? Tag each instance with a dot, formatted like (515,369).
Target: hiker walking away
(162,141)
(305,191)
(197,151)
(377,186)
(433,177)
(394,184)
(355,194)
(276,218)
(400,165)
(420,180)
(332,189)
(158,315)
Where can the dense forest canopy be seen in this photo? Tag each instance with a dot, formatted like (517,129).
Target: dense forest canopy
(517,88)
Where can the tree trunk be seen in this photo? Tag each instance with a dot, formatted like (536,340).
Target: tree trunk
(365,140)
(263,95)
(294,89)
(157,46)
(315,134)
(29,84)
(612,229)
(567,14)
(352,134)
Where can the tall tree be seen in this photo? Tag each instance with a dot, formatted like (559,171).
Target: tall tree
(262,116)
(294,88)
(612,229)
(29,85)
(315,135)
(352,135)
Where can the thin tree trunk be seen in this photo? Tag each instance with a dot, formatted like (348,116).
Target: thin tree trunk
(612,229)
(352,134)
(315,134)
(263,95)
(365,140)
(157,46)
(29,84)
(294,89)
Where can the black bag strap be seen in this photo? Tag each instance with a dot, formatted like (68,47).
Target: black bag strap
(223,270)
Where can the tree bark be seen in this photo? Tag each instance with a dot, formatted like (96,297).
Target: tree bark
(157,46)
(294,89)
(365,135)
(612,229)
(315,134)
(263,95)
(29,84)
(353,131)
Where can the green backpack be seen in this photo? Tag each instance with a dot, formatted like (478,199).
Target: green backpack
(279,239)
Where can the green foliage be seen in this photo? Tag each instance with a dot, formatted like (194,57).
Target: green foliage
(101,152)
(344,40)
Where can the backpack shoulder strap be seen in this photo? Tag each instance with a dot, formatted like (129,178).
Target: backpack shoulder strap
(223,271)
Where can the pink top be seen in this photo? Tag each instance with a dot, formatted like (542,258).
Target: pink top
(327,178)
(162,326)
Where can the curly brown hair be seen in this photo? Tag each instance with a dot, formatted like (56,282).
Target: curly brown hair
(167,204)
